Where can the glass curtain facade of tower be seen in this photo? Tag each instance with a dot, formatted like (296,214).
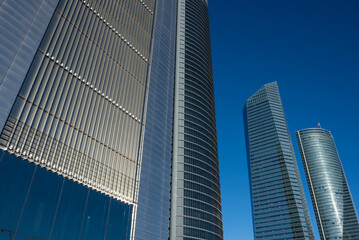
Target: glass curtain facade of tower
(332,202)
(195,192)
(74,81)
(152,218)
(279,207)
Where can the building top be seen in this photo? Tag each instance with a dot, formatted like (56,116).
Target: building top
(262,94)
(316,130)
(313,128)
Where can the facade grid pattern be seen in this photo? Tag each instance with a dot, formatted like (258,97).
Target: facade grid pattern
(152,217)
(196,201)
(279,207)
(332,202)
(79,111)
(22,26)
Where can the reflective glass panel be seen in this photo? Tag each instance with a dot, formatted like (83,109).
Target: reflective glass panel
(70,212)
(15,178)
(119,221)
(41,204)
(95,220)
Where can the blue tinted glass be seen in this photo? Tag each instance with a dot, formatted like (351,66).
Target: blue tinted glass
(15,178)
(119,221)
(152,218)
(277,197)
(41,204)
(94,225)
(70,212)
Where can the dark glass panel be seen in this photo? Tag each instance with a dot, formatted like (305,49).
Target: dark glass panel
(70,211)
(95,220)
(119,221)
(40,207)
(15,178)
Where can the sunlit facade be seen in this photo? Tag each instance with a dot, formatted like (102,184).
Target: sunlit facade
(196,211)
(76,91)
(332,202)
(279,207)
(107,121)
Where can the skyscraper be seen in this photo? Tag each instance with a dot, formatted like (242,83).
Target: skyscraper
(332,202)
(279,207)
(195,194)
(74,96)
(152,220)
(86,109)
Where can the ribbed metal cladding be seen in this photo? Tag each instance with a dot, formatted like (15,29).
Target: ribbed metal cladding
(22,25)
(332,202)
(279,207)
(195,200)
(81,107)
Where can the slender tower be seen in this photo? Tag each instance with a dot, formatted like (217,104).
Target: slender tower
(333,205)
(279,207)
(152,218)
(195,195)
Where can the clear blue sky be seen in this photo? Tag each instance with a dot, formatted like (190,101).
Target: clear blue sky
(311,48)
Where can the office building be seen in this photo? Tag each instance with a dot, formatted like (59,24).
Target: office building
(195,193)
(152,219)
(86,107)
(75,91)
(332,202)
(279,208)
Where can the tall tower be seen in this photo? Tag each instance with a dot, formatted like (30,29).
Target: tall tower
(74,96)
(195,195)
(333,205)
(152,219)
(279,207)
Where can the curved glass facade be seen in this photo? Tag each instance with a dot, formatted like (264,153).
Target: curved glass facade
(196,199)
(279,207)
(333,206)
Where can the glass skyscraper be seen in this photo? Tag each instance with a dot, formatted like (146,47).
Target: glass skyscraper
(332,202)
(78,82)
(195,195)
(102,104)
(152,220)
(279,208)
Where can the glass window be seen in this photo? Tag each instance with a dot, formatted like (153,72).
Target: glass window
(70,212)
(40,207)
(95,220)
(119,221)
(15,178)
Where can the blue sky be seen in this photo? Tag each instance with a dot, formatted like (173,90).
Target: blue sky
(311,49)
